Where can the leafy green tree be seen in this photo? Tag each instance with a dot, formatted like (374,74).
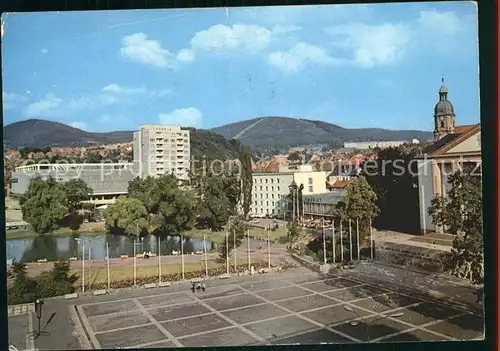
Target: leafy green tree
(359,202)
(393,177)
(127,216)
(58,281)
(44,204)
(76,191)
(461,213)
(171,208)
(245,159)
(218,198)
(23,288)
(237,231)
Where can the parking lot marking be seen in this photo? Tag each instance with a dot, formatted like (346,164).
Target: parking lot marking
(86,325)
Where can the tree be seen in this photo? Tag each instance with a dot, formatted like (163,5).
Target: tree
(245,159)
(76,191)
(218,198)
(23,288)
(58,281)
(359,202)
(171,209)
(44,204)
(294,157)
(393,177)
(237,231)
(461,213)
(128,216)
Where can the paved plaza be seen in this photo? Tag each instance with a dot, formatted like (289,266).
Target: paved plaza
(295,306)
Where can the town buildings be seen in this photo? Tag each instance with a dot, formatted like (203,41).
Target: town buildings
(162,150)
(454,147)
(270,189)
(157,150)
(365,145)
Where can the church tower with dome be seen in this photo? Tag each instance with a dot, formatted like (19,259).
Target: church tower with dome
(444,115)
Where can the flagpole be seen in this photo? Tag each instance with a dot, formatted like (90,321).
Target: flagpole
(159,260)
(333,241)
(324,240)
(341,243)
(205,253)
(227,251)
(107,263)
(248,248)
(182,255)
(234,248)
(350,240)
(371,240)
(268,248)
(357,235)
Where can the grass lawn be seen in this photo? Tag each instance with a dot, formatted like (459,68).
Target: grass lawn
(100,275)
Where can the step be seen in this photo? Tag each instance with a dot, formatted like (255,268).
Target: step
(100,292)
(149,286)
(71,296)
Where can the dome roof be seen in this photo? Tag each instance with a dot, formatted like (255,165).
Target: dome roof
(444,106)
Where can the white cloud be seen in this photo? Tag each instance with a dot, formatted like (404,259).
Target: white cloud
(11,100)
(186,55)
(106,99)
(224,39)
(117,89)
(299,56)
(285,29)
(44,51)
(79,125)
(40,107)
(440,22)
(137,47)
(186,117)
(161,93)
(79,103)
(372,45)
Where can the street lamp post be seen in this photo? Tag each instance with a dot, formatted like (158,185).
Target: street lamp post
(333,241)
(371,240)
(248,248)
(107,266)
(234,249)
(135,267)
(182,255)
(324,240)
(268,247)
(82,241)
(350,241)
(357,237)
(341,243)
(159,260)
(205,253)
(227,251)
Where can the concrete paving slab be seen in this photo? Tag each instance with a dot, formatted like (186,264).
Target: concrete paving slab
(306,303)
(387,302)
(160,345)
(126,338)
(371,328)
(336,283)
(427,312)
(414,335)
(355,292)
(333,314)
(109,307)
(281,327)
(228,337)
(263,285)
(254,313)
(219,291)
(283,293)
(195,325)
(304,278)
(166,313)
(461,328)
(165,299)
(324,285)
(234,302)
(116,321)
(18,330)
(313,337)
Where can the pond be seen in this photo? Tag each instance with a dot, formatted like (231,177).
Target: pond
(54,248)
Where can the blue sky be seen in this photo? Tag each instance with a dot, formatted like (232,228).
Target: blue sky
(352,65)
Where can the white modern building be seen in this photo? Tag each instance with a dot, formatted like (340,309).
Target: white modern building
(270,190)
(160,149)
(454,147)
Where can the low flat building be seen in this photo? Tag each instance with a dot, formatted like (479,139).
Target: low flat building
(365,145)
(108,181)
(321,205)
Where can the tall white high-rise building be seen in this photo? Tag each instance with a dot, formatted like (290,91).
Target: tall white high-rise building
(160,149)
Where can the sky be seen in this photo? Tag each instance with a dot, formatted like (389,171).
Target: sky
(356,66)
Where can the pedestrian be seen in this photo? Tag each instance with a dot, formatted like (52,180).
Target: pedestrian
(193,287)
(203,287)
